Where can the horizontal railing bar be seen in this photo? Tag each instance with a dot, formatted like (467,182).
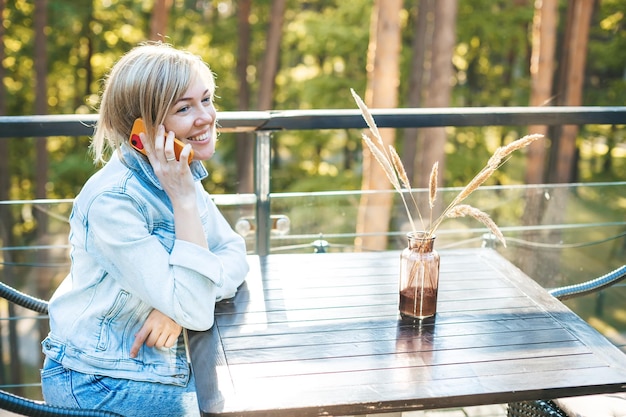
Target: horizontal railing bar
(443,232)
(82,124)
(445,190)
(250,198)
(219,199)
(37,201)
(459,116)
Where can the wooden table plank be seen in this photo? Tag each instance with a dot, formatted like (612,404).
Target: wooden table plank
(525,331)
(319,334)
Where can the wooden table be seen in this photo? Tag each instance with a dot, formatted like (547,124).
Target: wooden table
(320,334)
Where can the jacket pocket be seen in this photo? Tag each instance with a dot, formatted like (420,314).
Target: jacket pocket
(106,326)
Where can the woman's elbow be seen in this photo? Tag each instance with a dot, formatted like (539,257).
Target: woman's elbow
(201,319)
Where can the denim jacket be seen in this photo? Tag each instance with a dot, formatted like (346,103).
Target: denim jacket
(127,261)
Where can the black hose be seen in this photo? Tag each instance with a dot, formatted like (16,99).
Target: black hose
(32,408)
(587,287)
(25,406)
(22,299)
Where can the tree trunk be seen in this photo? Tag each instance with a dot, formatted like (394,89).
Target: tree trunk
(564,153)
(245,174)
(577,57)
(89,75)
(383,71)
(5,182)
(542,65)
(413,143)
(269,68)
(575,53)
(440,88)
(158,22)
(41,103)
(43,275)
(270,60)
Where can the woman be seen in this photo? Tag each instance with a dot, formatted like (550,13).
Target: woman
(150,252)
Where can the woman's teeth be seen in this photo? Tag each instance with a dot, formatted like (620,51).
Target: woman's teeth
(199,138)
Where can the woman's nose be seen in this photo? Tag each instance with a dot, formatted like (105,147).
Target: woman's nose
(206,116)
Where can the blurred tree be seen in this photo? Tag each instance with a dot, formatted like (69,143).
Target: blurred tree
(40,59)
(159,19)
(383,70)
(564,145)
(245,156)
(269,68)
(571,82)
(542,65)
(5,176)
(43,276)
(440,87)
(5,211)
(414,144)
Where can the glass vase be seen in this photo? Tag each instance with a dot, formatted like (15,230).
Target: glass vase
(419,277)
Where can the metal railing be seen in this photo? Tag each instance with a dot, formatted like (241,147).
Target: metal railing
(264,123)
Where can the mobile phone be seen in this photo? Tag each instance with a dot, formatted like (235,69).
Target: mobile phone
(135,141)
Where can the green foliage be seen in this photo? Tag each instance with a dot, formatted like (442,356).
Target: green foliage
(70,166)
(323,55)
(327,55)
(607,54)
(492,53)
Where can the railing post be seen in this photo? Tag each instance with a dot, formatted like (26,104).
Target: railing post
(262,171)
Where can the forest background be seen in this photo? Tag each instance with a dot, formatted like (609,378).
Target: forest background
(298,54)
(295,54)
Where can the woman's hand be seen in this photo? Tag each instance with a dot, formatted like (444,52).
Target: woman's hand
(158,331)
(174,175)
(176,179)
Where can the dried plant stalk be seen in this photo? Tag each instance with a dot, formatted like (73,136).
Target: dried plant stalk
(367,116)
(504,151)
(394,169)
(463,210)
(432,185)
(399,166)
(383,162)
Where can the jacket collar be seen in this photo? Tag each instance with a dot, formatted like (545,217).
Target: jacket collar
(140,165)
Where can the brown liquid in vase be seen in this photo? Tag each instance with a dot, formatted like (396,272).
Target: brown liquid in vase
(407,303)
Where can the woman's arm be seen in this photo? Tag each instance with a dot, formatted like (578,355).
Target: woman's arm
(176,179)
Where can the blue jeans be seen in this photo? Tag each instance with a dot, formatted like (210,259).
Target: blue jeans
(67,388)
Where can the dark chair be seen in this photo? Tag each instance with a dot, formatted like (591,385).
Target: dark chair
(548,408)
(25,406)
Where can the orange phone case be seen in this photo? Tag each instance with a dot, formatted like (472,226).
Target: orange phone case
(135,141)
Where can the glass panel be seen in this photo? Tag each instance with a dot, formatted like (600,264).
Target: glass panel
(557,234)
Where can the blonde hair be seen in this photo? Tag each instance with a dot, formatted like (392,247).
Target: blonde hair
(144,83)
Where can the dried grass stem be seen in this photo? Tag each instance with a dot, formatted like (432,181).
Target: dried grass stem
(467,210)
(391,164)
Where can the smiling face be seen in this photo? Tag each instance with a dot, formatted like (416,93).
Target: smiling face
(193,117)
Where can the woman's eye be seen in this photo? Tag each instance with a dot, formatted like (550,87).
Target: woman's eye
(182,109)
(207,100)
